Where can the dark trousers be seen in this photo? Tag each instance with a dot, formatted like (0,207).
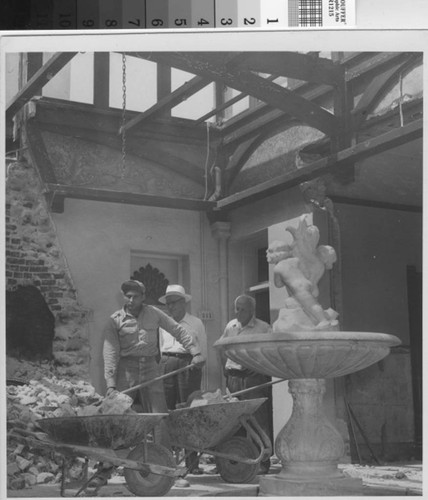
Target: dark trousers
(132,371)
(237,380)
(179,387)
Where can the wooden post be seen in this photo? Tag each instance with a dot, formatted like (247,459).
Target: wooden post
(102,80)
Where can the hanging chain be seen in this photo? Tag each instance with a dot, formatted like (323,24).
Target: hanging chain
(123,130)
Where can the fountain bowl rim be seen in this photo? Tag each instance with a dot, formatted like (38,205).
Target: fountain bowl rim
(310,336)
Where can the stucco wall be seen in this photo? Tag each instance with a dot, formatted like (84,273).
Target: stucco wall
(98,238)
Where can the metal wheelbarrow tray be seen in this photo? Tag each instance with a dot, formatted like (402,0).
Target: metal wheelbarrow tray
(149,468)
(105,431)
(210,429)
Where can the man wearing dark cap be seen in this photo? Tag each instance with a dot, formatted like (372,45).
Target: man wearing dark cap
(131,347)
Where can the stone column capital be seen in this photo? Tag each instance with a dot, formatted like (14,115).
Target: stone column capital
(221,230)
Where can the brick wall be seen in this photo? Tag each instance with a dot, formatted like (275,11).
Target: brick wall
(34,257)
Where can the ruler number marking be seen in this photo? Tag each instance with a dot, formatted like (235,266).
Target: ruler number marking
(110,22)
(157,22)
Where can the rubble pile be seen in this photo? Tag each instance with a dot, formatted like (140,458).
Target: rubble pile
(199,398)
(34,391)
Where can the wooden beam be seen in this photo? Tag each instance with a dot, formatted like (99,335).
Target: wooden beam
(248,122)
(308,68)
(163,85)
(377,89)
(81,193)
(39,155)
(227,104)
(86,117)
(245,81)
(102,80)
(39,80)
(357,75)
(326,165)
(181,94)
(375,204)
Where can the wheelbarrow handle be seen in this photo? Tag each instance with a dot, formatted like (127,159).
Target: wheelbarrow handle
(157,379)
(266,384)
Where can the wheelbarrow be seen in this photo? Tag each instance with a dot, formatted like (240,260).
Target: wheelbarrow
(149,468)
(210,429)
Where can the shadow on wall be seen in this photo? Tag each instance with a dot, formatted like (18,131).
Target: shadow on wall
(30,324)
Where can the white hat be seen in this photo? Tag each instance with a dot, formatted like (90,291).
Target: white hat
(176,290)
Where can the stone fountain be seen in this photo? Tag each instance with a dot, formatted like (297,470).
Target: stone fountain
(306,347)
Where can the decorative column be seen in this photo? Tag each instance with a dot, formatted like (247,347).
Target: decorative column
(221,232)
(309,447)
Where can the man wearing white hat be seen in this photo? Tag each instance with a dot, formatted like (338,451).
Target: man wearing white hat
(174,355)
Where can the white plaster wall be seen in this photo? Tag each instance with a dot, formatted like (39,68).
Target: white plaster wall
(97,239)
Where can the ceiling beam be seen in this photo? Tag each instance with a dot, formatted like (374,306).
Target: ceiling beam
(178,96)
(376,90)
(86,117)
(358,75)
(38,153)
(249,83)
(82,193)
(228,103)
(38,80)
(326,165)
(309,68)
(375,204)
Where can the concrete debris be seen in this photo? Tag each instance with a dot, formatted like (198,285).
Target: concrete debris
(41,393)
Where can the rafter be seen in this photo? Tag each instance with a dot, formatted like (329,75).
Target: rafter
(245,81)
(356,75)
(323,166)
(86,117)
(39,79)
(309,68)
(228,103)
(55,191)
(179,95)
(378,87)
(244,151)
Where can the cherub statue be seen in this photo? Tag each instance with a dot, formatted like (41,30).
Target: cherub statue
(299,267)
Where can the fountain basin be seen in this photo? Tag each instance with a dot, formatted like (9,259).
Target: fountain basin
(308,354)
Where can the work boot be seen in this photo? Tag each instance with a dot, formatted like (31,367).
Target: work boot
(182,483)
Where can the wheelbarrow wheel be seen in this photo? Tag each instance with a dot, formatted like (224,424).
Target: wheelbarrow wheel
(233,471)
(149,484)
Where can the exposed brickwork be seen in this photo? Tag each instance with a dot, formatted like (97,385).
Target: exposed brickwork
(34,257)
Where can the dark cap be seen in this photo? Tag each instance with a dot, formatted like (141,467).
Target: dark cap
(134,285)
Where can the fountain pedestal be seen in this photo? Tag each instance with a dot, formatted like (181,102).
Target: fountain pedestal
(308,446)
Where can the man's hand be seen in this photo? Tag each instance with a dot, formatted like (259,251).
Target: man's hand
(198,360)
(111,391)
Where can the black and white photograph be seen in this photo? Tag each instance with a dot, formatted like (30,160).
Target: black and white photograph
(213,264)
